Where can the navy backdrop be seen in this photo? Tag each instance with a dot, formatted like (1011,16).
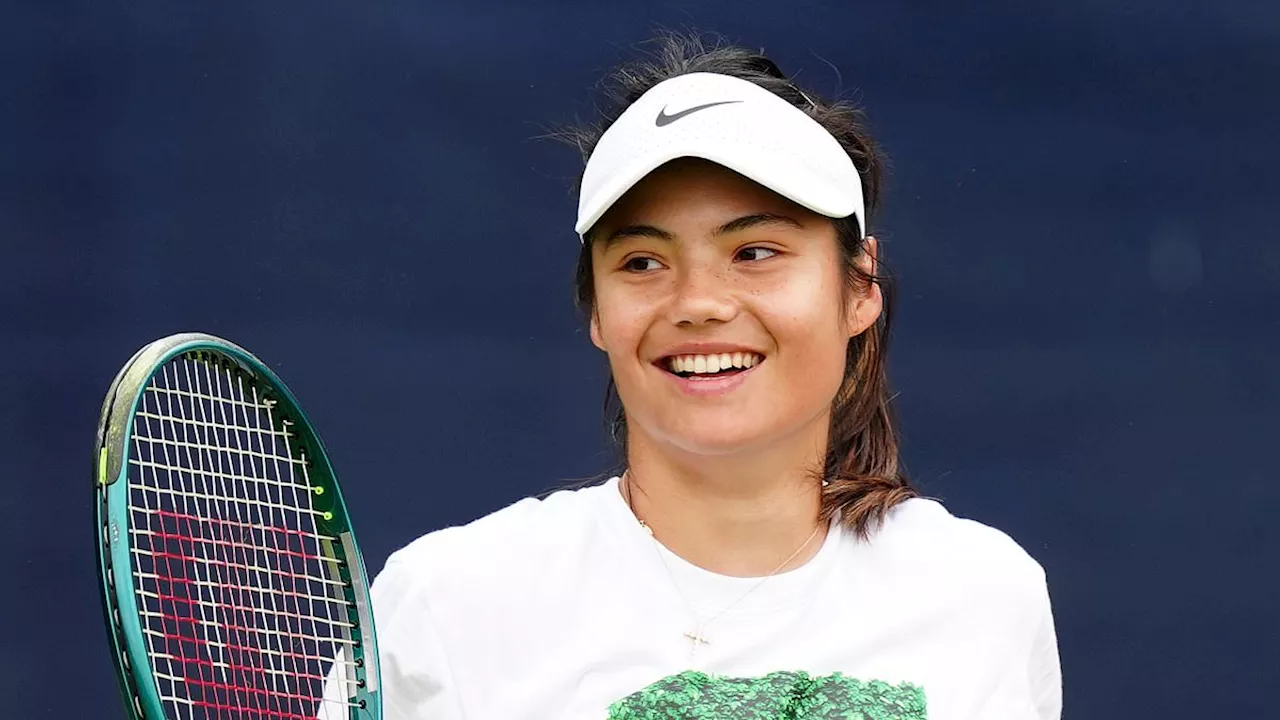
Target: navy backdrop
(1081,212)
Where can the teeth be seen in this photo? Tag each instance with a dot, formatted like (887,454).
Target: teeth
(706,364)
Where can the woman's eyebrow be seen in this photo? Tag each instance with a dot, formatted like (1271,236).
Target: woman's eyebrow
(736,225)
(636,231)
(749,221)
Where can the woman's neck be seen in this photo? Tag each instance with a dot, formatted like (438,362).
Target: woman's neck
(738,515)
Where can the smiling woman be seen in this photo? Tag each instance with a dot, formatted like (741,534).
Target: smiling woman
(696,261)
(762,555)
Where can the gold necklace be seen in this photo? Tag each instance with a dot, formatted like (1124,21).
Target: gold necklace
(696,636)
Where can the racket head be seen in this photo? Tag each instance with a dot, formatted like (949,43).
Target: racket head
(269,653)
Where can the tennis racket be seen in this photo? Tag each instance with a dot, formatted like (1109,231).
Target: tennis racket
(231,579)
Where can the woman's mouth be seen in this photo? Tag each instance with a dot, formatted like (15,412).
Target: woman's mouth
(715,365)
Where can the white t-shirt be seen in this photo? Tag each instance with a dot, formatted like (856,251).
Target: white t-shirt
(566,609)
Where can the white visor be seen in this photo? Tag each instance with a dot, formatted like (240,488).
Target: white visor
(731,122)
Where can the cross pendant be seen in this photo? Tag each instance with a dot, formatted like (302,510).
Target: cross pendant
(696,638)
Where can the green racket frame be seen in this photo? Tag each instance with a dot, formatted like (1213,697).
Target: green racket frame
(111,508)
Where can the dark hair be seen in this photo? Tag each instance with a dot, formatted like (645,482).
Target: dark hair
(862,463)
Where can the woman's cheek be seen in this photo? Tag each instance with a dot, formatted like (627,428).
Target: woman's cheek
(622,322)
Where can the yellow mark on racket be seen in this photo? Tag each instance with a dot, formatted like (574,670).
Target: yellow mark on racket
(318,490)
(102,467)
(328,515)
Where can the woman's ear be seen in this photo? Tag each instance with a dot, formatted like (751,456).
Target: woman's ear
(595,329)
(865,304)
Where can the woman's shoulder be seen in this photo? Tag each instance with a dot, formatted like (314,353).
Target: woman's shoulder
(516,539)
(924,534)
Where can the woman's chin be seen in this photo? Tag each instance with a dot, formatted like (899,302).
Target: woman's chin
(718,441)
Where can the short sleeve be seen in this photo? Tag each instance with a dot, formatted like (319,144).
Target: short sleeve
(1044,669)
(417,682)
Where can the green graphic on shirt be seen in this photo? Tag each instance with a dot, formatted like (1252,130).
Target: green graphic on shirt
(776,696)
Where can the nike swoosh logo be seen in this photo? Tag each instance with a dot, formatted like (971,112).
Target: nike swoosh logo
(664,119)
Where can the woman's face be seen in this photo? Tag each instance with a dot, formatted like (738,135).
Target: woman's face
(720,305)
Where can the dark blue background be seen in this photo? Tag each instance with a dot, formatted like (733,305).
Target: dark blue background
(1081,212)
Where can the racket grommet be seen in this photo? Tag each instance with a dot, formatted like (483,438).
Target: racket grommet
(363,704)
(328,515)
(319,490)
(360,683)
(359,662)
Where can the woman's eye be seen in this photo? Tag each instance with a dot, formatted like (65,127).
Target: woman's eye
(641,264)
(756,253)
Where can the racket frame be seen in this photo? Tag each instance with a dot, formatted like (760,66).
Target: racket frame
(112,518)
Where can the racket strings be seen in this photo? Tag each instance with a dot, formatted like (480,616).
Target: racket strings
(178,444)
(241,598)
(214,498)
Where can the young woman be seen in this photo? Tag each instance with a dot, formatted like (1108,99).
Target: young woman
(762,555)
